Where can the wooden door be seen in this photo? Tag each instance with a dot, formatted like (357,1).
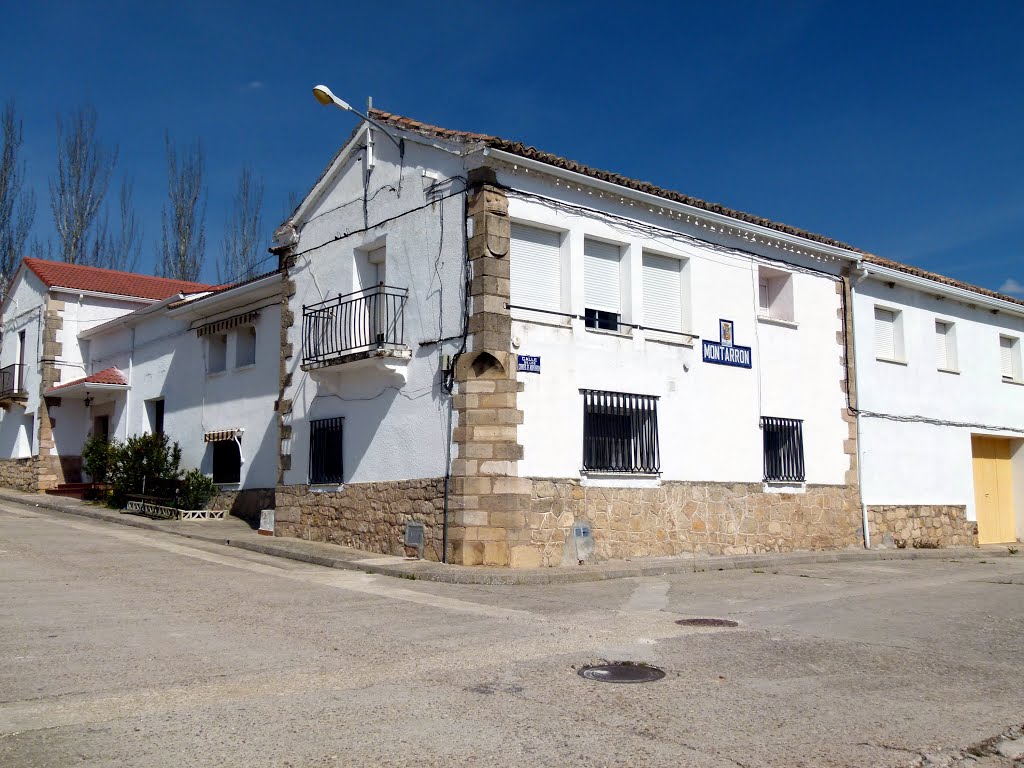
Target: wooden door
(993,490)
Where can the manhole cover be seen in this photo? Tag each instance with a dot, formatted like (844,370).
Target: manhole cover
(707,623)
(622,672)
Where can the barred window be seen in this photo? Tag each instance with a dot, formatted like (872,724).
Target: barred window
(620,432)
(783,449)
(325,450)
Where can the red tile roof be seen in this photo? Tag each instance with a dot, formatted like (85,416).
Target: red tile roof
(532,153)
(80,278)
(106,376)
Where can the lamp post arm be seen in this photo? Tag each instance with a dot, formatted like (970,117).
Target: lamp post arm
(400,143)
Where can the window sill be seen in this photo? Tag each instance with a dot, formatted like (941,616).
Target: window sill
(248,367)
(954,371)
(672,341)
(785,486)
(767,320)
(326,487)
(891,360)
(605,332)
(1016,382)
(228,486)
(597,479)
(540,318)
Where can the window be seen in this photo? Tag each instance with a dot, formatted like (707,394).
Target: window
(1009,358)
(227,461)
(620,432)
(535,268)
(155,412)
(775,294)
(325,444)
(101,427)
(783,449)
(601,278)
(216,353)
(663,301)
(945,345)
(245,346)
(888,334)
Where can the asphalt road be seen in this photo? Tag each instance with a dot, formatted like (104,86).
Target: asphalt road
(121,647)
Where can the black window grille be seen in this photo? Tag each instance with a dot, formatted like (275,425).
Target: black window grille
(783,449)
(227,462)
(620,432)
(325,464)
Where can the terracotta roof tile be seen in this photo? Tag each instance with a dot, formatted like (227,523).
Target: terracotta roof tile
(81,278)
(106,376)
(523,150)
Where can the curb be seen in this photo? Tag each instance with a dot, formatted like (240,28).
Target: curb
(300,551)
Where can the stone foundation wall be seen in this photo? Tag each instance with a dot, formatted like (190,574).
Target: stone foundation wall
(923,526)
(19,474)
(677,517)
(246,504)
(368,516)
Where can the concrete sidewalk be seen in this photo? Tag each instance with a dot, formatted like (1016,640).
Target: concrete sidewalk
(234,532)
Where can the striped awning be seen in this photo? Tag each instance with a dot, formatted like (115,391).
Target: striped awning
(228,322)
(219,435)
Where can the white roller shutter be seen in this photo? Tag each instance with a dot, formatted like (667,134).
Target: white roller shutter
(942,345)
(536,268)
(885,333)
(1006,356)
(601,276)
(662,298)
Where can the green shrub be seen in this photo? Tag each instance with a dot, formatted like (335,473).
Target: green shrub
(97,454)
(144,461)
(196,490)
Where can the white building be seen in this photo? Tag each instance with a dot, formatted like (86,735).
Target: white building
(941,406)
(666,374)
(198,364)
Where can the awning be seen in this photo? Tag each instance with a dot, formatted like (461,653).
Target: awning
(228,322)
(219,435)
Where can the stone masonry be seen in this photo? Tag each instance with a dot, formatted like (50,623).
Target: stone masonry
(677,517)
(368,516)
(488,498)
(245,504)
(19,473)
(916,526)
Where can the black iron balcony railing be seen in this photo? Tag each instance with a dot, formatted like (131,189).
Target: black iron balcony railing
(12,380)
(362,321)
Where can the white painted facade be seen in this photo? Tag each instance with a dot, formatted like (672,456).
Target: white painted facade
(396,418)
(921,404)
(22,313)
(165,359)
(395,412)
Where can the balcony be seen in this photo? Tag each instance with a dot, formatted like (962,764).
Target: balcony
(363,325)
(12,384)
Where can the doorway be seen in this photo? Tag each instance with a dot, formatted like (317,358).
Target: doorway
(993,489)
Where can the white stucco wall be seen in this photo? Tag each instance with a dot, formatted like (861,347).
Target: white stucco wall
(23,311)
(910,462)
(393,429)
(708,415)
(164,358)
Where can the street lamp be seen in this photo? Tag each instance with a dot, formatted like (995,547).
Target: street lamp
(324,95)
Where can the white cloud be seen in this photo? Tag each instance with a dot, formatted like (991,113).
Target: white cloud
(252,85)
(1012,286)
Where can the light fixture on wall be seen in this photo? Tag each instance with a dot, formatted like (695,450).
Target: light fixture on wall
(88,399)
(324,95)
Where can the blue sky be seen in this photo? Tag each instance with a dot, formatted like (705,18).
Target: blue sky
(896,127)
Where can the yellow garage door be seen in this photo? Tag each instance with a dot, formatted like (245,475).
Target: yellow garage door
(993,490)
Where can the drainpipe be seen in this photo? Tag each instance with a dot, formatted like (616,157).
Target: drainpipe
(447,482)
(857,274)
(128,392)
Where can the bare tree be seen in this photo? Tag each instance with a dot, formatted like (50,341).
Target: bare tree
(243,231)
(17,205)
(123,250)
(84,167)
(183,220)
